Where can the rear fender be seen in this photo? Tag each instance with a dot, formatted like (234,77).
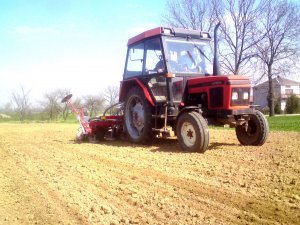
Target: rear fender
(126,85)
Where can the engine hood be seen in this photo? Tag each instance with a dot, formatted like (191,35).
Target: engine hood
(200,82)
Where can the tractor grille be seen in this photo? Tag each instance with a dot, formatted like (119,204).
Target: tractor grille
(216,97)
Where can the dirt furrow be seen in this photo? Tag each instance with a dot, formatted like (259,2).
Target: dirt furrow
(46,176)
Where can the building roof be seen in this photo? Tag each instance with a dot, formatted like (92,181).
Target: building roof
(284,82)
(281,81)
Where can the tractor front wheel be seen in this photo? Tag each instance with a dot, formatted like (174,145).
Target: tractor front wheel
(255,132)
(192,132)
(138,117)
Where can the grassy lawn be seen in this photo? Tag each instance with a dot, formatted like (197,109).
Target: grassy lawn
(284,123)
(279,122)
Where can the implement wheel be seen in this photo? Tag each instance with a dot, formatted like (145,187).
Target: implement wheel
(192,132)
(255,132)
(138,117)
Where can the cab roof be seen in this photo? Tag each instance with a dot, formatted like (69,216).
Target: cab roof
(176,32)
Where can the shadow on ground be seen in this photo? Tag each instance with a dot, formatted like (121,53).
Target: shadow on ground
(158,145)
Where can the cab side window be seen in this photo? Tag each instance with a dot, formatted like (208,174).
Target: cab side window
(154,58)
(135,60)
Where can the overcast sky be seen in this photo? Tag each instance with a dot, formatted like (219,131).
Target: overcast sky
(75,44)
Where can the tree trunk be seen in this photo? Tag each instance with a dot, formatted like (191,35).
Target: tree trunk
(271,93)
(65,112)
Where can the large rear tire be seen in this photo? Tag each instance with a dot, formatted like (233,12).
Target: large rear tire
(138,117)
(192,132)
(256,132)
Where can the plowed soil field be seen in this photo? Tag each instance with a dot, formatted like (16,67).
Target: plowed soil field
(47,178)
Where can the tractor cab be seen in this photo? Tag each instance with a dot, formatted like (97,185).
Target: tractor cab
(162,53)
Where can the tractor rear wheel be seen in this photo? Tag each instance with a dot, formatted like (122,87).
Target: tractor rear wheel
(192,132)
(255,132)
(138,117)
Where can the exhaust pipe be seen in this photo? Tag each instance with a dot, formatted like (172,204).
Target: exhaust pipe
(216,65)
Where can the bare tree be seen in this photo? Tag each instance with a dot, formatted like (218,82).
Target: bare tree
(64,108)
(52,103)
(94,104)
(190,14)
(21,101)
(7,108)
(238,19)
(111,95)
(77,103)
(239,22)
(281,22)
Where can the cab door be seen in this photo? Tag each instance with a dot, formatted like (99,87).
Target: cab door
(155,69)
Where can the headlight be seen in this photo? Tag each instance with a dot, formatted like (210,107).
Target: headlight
(245,95)
(235,95)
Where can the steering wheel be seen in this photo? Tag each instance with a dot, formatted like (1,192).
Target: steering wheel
(66,98)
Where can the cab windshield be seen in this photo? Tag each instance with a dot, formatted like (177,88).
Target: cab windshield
(189,56)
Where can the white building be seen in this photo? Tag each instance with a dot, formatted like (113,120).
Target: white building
(283,88)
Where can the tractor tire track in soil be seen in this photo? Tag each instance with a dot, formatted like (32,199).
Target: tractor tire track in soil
(47,178)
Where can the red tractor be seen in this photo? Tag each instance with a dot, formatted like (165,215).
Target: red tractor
(171,83)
